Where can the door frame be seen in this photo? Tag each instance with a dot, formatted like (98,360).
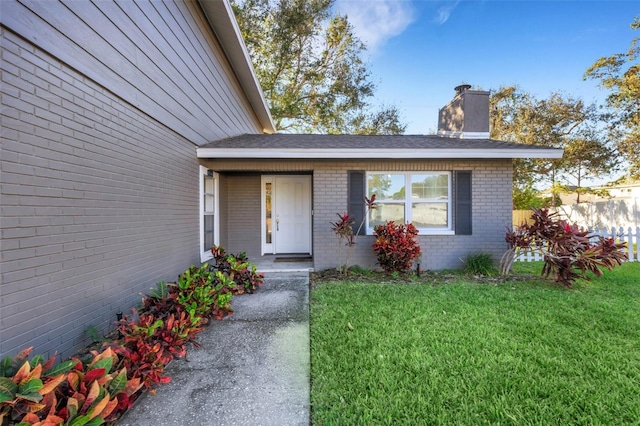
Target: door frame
(271,247)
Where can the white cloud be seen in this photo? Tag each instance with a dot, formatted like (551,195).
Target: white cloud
(444,12)
(376,21)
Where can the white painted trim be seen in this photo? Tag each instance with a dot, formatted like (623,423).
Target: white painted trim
(407,202)
(273,247)
(310,153)
(463,135)
(205,255)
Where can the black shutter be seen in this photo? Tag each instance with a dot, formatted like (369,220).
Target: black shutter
(463,202)
(355,202)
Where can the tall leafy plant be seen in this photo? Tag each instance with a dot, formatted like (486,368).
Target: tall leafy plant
(343,229)
(569,252)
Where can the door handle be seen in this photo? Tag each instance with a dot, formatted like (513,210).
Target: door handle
(277,224)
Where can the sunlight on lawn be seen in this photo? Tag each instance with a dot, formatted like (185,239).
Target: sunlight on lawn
(517,352)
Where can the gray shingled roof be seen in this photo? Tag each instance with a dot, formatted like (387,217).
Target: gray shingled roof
(336,146)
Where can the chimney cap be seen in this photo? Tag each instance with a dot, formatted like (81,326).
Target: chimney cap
(461,88)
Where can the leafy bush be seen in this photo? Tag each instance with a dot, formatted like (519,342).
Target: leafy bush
(149,343)
(569,252)
(238,268)
(106,385)
(479,263)
(70,393)
(396,246)
(197,292)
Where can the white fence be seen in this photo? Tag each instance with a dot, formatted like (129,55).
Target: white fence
(623,212)
(631,237)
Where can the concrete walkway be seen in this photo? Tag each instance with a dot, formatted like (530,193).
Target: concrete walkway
(252,368)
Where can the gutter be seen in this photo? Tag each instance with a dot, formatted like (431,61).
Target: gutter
(323,153)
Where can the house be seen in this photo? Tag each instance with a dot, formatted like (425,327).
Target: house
(103,106)
(622,189)
(135,135)
(279,193)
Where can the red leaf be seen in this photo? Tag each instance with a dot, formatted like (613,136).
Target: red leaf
(94,374)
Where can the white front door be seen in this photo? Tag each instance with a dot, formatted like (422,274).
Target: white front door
(286,215)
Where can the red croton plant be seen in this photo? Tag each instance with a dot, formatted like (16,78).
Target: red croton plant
(396,246)
(569,251)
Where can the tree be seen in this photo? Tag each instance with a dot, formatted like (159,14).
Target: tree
(309,64)
(560,121)
(587,157)
(620,74)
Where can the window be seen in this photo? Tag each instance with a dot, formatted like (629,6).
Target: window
(209,221)
(423,199)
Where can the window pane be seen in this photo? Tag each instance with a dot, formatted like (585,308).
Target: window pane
(209,185)
(429,215)
(386,186)
(387,211)
(268,211)
(209,221)
(430,186)
(209,194)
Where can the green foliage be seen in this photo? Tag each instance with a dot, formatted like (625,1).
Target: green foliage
(396,246)
(70,393)
(76,393)
(160,292)
(620,75)
(359,270)
(569,252)
(480,263)
(310,67)
(238,269)
(526,197)
(197,292)
(94,334)
(560,121)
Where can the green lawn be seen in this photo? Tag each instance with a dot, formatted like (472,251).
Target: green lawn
(520,352)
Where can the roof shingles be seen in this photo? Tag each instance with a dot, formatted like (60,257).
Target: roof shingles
(337,146)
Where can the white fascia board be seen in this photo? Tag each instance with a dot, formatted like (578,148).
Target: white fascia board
(321,153)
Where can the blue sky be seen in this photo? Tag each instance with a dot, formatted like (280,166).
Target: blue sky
(419,50)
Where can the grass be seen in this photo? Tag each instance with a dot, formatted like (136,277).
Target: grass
(516,352)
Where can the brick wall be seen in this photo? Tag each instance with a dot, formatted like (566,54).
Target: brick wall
(98,203)
(491,204)
(242,212)
(491,213)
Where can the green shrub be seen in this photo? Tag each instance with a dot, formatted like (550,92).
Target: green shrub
(238,268)
(480,263)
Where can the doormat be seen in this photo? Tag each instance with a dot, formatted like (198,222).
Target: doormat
(293,259)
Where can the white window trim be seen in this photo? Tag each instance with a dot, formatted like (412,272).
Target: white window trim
(205,255)
(407,202)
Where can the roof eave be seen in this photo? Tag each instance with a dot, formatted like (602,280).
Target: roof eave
(324,153)
(223,23)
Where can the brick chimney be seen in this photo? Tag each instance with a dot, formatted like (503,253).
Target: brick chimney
(466,116)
